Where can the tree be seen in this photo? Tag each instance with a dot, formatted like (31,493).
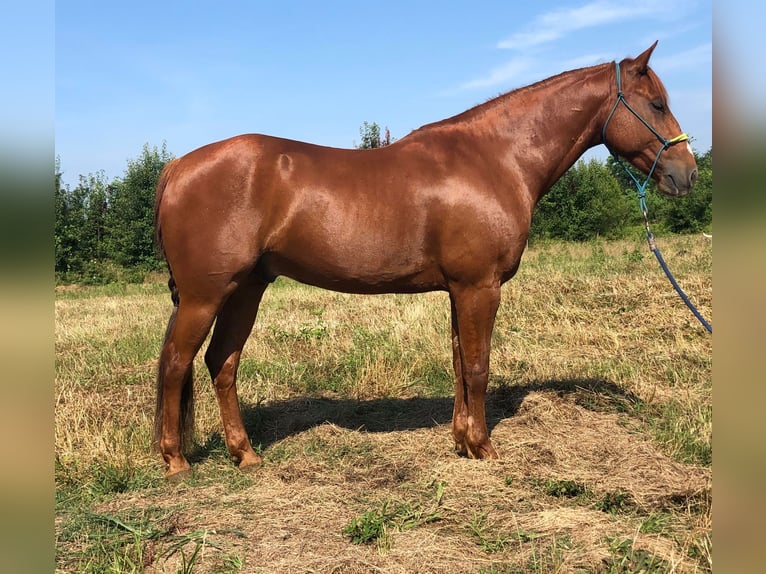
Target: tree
(66,224)
(688,214)
(80,223)
(371,138)
(586,202)
(694,212)
(130,214)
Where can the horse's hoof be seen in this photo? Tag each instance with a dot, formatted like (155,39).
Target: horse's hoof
(484,452)
(179,475)
(491,455)
(488,454)
(250,463)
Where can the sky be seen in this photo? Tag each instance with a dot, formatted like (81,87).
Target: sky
(189,73)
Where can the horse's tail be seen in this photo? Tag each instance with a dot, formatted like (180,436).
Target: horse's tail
(162,183)
(187,390)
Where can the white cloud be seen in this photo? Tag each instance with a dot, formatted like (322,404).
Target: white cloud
(555,24)
(530,64)
(522,71)
(501,75)
(696,56)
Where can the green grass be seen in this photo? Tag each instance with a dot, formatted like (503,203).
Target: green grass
(626,559)
(131,541)
(494,538)
(487,537)
(158,286)
(685,432)
(657,523)
(348,399)
(612,502)
(616,502)
(562,488)
(110,543)
(376,525)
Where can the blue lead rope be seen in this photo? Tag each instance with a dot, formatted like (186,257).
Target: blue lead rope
(680,291)
(666,143)
(669,275)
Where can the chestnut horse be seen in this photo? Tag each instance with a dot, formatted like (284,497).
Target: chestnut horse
(448,207)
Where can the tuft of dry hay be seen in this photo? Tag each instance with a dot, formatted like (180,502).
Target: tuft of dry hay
(552,437)
(294,513)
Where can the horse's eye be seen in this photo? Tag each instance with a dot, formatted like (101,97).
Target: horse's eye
(658,105)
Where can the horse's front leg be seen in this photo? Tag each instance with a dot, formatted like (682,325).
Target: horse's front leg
(473,318)
(460,410)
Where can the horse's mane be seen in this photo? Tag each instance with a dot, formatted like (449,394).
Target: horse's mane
(478,109)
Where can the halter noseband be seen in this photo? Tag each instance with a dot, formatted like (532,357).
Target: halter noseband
(666,143)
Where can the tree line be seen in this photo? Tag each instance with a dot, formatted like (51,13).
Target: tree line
(104,230)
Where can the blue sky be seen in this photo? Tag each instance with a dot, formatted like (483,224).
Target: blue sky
(189,73)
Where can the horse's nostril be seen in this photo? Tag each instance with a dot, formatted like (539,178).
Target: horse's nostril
(693,177)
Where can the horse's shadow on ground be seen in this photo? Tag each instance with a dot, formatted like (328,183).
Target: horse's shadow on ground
(269,424)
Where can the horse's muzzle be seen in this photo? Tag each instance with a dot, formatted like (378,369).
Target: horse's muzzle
(677,181)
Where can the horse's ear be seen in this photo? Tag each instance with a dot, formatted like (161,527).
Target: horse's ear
(640,64)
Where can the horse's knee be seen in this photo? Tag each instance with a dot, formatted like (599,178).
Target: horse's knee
(223,371)
(225,379)
(476,377)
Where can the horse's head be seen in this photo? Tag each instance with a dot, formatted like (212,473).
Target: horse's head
(641,128)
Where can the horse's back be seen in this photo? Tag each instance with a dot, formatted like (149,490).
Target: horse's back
(343,219)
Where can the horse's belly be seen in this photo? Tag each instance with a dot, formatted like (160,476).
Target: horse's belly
(356,272)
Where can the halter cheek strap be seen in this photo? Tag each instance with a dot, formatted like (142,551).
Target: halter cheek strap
(666,143)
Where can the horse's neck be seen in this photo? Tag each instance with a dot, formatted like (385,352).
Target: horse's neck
(546,127)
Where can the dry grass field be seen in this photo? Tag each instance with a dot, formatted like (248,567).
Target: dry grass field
(600,406)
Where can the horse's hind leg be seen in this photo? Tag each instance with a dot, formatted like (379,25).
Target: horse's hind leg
(233,325)
(185,336)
